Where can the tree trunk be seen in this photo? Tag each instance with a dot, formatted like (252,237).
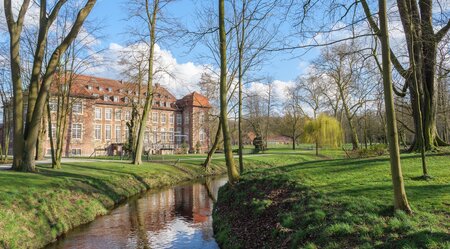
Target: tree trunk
(137,160)
(233,174)
(213,149)
(293,142)
(400,199)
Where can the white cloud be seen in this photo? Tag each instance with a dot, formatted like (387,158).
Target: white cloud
(180,78)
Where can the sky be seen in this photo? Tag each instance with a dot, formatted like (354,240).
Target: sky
(281,67)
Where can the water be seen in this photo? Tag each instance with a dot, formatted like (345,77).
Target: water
(178,217)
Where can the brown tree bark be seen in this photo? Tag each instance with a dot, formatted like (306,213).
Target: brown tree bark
(152,17)
(233,174)
(400,199)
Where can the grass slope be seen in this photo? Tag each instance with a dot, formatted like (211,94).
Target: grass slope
(36,208)
(337,203)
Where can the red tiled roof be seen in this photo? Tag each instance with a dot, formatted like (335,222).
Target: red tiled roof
(194,99)
(106,90)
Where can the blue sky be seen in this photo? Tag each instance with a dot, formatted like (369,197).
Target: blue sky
(282,66)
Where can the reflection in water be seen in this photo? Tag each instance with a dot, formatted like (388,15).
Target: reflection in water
(179,217)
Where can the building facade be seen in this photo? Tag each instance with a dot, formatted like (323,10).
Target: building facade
(101,109)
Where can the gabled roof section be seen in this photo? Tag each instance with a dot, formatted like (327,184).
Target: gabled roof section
(194,99)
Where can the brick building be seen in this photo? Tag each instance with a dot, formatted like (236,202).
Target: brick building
(101,108)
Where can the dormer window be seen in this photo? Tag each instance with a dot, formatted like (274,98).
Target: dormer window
(129,91)
(116,99)
(109,89)
(89,87)
(95,94)
(100,88)
(105,97)
(120,90)
(126,99)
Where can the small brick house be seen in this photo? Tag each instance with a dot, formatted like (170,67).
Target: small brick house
(101,108)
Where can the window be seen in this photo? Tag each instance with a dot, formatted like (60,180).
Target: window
(178,135)
(127,133)
(171,117)
(53,105)
(179,119)
(76,131)
(186,119)
(163,135)
(108,132)
(108,114)
(118,134)
(186,135)
(163,118)
(53,131)
(118,115)
(109,89)
(98,113)
(100,88)
(105,97)
(89,87)
(126,100)
(155,135)
(98,132)
(146,137)
(77,108)
(75,152)
(127,115)
(202,118)
(155,117)
(171,135)
(202,135)
(116,99)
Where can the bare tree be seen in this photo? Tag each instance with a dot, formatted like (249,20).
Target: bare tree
(25,138)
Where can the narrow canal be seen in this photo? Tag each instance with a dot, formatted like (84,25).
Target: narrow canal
(177,217)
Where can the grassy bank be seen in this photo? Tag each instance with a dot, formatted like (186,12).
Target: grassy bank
(337,203)
(36,208)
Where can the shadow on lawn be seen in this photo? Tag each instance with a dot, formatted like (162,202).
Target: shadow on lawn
(419,239)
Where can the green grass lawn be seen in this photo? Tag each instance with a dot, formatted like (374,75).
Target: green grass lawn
(35,208)
(340,203)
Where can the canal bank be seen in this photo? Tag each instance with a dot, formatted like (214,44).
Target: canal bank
(37,208)
(172,217)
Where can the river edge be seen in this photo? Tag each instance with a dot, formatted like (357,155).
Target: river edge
(83,201)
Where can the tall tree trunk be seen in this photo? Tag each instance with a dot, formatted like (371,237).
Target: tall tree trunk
(233,174)
(400,199)
(149,97)
(213,149)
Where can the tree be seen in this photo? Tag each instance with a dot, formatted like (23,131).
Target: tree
(323,130)
(147,13)
(420,75)
(233,174)
(344,68)
(400,199)
(25,138)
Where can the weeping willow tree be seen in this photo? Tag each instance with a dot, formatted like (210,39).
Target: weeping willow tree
(323,130)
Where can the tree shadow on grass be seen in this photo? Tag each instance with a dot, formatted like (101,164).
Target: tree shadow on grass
(108,170)
(420,239)
(88,184)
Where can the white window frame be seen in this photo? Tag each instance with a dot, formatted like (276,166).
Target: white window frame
(98,113)
(81,108)
(75,134)
(179,118)
(186,118)
(163,118)
(95,132)
(155,117)
(108,136)
(118,112)
(171,118)
(108,110)
(171,135)
(118,136)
